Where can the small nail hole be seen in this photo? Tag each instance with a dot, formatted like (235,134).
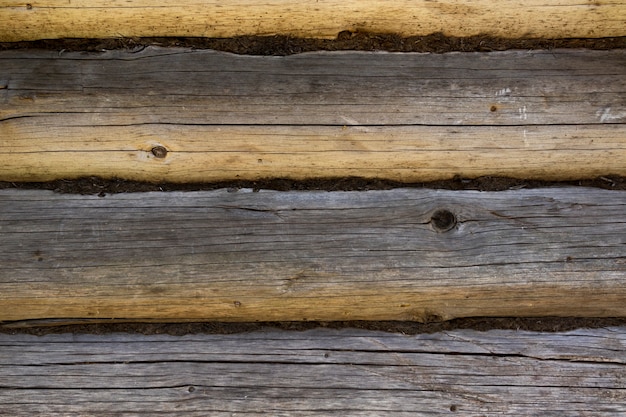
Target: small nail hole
(159,151)
(29,6)
(493,108)
(191,389)
(443,220)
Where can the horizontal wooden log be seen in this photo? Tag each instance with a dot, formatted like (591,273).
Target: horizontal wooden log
(317,372)
(239,255)
(48,19)
(181,115)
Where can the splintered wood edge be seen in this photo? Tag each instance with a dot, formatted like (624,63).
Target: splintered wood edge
(404,254)
(549,115)
(498,372)
(50,19)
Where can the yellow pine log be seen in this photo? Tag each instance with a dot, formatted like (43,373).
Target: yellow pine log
(45,19)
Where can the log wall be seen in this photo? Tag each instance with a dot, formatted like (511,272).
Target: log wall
(183,115)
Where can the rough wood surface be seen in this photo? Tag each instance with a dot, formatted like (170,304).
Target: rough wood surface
(46,19)
(239,255)
(318,372)
(411,117)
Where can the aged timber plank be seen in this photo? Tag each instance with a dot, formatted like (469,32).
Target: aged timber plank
(47,19)
(411,117)
(317,372)
(239,255)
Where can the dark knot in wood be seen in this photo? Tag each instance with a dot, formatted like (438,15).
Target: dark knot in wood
(159,151)
(443,220)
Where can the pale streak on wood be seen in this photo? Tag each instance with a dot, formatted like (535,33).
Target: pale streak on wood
(317,372)
(48,19)
(410,117)
(247,256)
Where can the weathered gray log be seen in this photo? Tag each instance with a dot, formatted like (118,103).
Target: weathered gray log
(529,114)
(239,255)
(318,372)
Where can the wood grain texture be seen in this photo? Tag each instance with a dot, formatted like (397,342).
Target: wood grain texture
(46,19)
(240,255)
(411,117)
(317,372)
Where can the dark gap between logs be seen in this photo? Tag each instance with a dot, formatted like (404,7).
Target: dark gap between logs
(345,41)
(102,187)
(543,324)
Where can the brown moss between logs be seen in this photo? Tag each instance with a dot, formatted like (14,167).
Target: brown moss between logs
(102,187)
(356,41)
(544,324)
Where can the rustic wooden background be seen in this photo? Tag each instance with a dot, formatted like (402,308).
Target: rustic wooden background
(186,115)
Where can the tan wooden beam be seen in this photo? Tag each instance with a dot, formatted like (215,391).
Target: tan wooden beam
(181,115)
(404,254)
(46,19)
